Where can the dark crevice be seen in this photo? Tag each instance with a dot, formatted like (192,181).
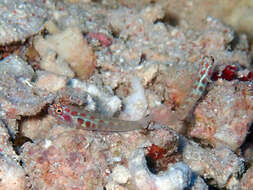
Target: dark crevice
(12,48)
(19,141)
(44,33)
(96,1)
(247,144)
(151,164)
(170,19)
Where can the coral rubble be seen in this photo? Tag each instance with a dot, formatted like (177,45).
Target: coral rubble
(66,66)
(20,20)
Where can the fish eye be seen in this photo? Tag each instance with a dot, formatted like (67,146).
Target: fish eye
(58,110)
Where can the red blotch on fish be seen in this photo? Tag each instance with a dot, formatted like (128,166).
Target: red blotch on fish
(87,123)
(92,117)
(83,114)
(74,113)
(90,121)
(67,118)
(80,121)
(67,110)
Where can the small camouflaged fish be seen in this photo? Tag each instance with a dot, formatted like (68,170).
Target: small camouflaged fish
(205,72)
(76,117)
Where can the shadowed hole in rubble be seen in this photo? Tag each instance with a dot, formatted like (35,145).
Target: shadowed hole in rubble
(210,187)
(45,33)
(20,138)
(159,164)
(156,159)
(115,33)
(19,141)
(247,143)
(249,138)
(170,19)
(212,184)
(232,45)
(96,1)
(12,48)
(151,165)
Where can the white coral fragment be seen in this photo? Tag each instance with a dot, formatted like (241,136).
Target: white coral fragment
(135,103)
(177,177)
(11,174)
(120,174)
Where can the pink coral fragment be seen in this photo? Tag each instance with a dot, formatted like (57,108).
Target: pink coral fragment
(102,38)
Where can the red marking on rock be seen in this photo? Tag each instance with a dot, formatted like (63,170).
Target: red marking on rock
(83,114)
(155,152)
(215,76)
(101,121)
(250,76)
(67,118)
(87,123)
(229,73)
(74,113)
(103,39)
(80,121)
(67,109)
(244,78)
(92,117)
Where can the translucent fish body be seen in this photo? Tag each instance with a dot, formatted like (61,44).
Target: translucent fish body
(76,117)
(205,72)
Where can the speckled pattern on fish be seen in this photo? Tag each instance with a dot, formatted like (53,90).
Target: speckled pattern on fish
(76,117)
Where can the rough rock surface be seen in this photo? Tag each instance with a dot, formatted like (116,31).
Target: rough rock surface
(225,115)
(18,96)
(132,63)
(220,164)
(20,19)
